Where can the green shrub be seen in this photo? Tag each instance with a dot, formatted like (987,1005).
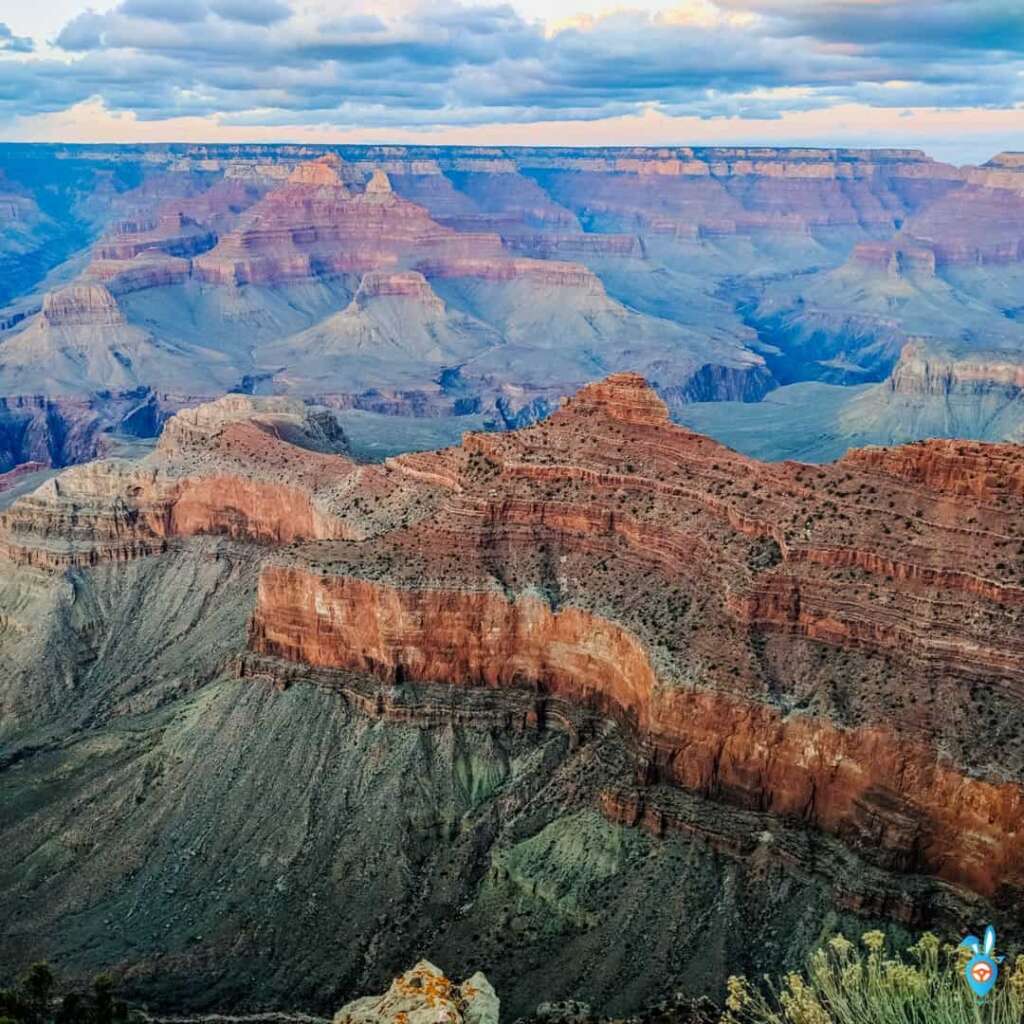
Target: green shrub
(845,985)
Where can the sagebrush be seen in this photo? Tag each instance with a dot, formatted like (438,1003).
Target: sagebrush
(847,984)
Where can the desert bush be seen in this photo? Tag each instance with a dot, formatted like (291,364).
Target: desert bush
(34,1001)
(844,984)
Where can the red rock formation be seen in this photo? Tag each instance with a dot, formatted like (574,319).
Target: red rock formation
(173,234)
(261,469)
(716,744)
(981,223)
(314,225)
(984,472)
(824,643)
(762,551)
(147,270)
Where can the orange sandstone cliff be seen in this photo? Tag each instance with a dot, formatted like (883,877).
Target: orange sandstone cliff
(839,646)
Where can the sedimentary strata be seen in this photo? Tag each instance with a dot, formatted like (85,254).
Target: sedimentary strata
(815,642)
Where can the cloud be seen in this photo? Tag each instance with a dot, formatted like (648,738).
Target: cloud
(179,12)
(15,44)
(253,12)
(992,25)
(443,63)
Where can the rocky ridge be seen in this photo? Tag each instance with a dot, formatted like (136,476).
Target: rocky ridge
(813,643)
(576,263)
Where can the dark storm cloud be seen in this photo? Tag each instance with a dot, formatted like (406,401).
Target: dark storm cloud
(262,62)
(16,44)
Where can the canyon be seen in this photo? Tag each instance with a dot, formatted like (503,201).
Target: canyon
(541,700)
(429,284)
(602,568)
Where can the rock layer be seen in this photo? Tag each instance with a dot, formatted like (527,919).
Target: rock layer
(814,642)
(81,305)
(577,262)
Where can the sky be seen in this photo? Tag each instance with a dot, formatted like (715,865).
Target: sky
(943,75)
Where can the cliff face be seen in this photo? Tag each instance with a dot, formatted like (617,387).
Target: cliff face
(599,688)
(984,224)
(817,643)
(81,305)
(682,191)
(555,266)
(936,822)
(775,559)
(59,432)
(260,469)
(923,372)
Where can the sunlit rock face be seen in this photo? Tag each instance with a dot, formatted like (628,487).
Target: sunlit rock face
(421,996)
(608,559)
(599,670)
(637,521)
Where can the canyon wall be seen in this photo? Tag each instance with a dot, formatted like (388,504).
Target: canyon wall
(816,643)
(555,266)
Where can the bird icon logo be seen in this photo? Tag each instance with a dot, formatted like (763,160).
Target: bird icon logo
(982,970)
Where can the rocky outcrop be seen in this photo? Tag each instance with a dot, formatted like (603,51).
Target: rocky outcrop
(1009,161)
(173,234)
(896,258)
(263,469)
(425,996)
(379,183)
(80,305)
(817,643)
(407,284)
(922,371)
(992,473)
(199,480)
(322,173)
(936,391)
(288,420)
(147,270)
(313,226)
